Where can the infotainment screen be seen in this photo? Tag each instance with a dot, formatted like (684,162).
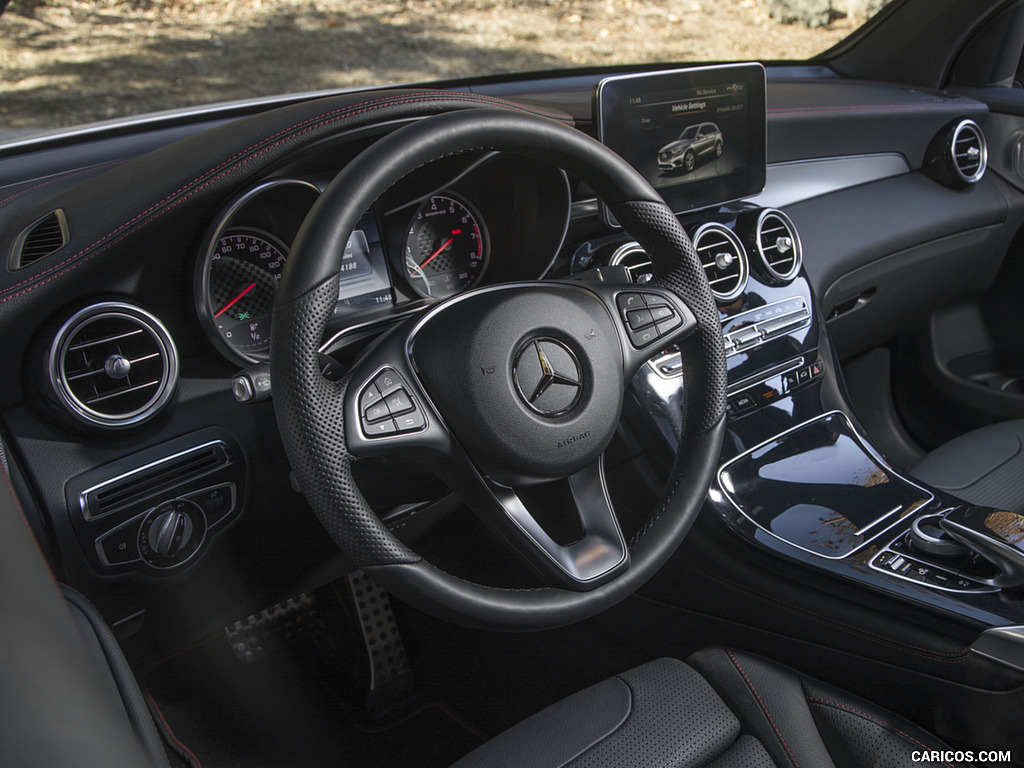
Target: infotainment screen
(697,135)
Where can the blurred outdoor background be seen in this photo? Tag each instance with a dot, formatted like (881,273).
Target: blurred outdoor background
(65,62)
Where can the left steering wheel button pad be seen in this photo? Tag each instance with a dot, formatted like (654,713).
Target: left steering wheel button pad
(386,407)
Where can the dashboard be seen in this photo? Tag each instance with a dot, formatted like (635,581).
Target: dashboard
(187,267)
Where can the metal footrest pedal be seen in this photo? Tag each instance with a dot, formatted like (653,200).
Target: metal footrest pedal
(252,638)
(391,685)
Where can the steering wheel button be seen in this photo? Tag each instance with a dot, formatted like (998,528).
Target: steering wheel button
(387,380)
(667,326)
(629,301)
(639,318)
(410,422)
(644,337)
(380,428)
(662,312)
(370,396)
(376,413)
(398,402)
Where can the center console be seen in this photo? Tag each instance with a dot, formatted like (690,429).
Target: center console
(797,476)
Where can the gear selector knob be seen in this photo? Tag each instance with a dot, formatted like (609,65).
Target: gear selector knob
(997,535)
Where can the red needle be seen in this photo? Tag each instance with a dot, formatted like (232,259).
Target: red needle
(235,300)
(436,253)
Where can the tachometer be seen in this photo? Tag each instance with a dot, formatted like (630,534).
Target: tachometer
(243,273)
(445,248)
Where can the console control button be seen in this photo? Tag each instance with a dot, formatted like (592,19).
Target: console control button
(120,546)
(216,502)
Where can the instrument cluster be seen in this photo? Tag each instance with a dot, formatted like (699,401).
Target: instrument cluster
(428,241)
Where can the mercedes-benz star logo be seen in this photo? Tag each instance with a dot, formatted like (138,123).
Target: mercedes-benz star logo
(547,377)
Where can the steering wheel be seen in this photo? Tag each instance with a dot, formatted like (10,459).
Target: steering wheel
(507,385)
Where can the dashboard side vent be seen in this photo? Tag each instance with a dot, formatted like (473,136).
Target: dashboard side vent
(153,481)
(724,259)
(778,247)
(969,151)
(113,365)
(636,261)
(958,155)
(41,238)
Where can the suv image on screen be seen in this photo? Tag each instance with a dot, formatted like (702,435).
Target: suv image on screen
(696,141)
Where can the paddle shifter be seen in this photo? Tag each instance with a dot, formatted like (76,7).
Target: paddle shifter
(997,535)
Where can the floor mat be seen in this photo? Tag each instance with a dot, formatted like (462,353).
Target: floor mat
(288,708)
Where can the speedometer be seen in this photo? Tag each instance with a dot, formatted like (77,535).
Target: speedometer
(445,247)
(245,267)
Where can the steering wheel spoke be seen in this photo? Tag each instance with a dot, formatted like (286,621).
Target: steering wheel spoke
(596,557)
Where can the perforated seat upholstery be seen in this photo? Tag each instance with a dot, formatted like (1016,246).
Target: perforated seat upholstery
(984,467)
(721,709)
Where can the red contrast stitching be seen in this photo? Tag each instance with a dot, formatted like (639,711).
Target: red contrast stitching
(62,177)
(882,723)
(764,709)
(951,657)
(227,166)
(169,731)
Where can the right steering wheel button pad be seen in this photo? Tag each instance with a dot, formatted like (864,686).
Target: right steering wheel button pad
(386,406)
(647,316)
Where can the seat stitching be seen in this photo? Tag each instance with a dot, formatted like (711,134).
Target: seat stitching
(764,709)
(170,732)
(952,657)
(875,720)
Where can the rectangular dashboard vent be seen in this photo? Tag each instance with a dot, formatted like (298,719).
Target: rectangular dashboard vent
(153,480)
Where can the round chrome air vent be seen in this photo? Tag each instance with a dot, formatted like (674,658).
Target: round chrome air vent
(113,365)
(635,260)
(724,259)
(969,151)
(778,247)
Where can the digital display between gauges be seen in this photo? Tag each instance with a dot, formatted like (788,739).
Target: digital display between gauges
(244,270)
(445,248)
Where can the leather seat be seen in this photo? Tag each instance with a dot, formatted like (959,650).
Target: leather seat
(721,708)
(984,467)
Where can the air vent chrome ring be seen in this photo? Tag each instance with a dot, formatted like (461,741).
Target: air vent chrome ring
(724,259)
(969,151)
(778,246)
(634,259)
(113,365)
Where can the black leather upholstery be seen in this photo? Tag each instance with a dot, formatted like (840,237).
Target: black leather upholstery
(722,708)
(984,467)
(58,705)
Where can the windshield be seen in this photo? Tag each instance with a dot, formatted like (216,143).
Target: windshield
(65,62)
(689,133)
